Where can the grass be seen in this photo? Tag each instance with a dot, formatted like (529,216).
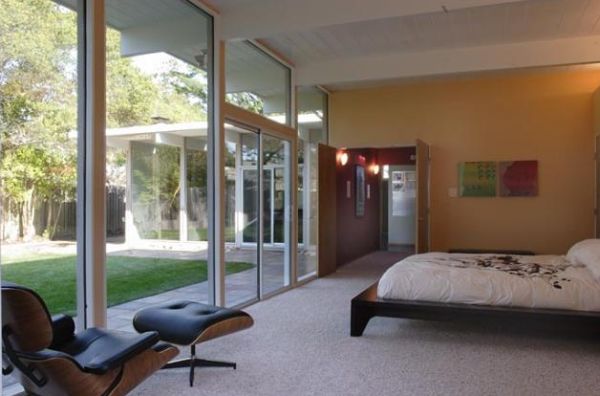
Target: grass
(194,234)
(201,234)
(128,278)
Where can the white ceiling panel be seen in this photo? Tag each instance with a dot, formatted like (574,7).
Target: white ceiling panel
(515,22)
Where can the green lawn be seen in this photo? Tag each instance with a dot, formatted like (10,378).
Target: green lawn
(128,278)
(194,234)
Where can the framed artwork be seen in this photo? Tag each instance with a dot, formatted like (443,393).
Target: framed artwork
(518,178)
(360,191)
(477,179)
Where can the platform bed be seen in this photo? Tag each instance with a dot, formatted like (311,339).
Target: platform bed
(367,305)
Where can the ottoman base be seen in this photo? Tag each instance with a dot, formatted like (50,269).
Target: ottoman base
(193,362)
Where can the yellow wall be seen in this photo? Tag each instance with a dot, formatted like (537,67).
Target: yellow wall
(543,115)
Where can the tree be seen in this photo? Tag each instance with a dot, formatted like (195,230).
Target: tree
(191,82)
(38,104)
(130,94)
(246,100)
(37,99)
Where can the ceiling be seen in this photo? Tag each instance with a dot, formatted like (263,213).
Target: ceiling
(339,42)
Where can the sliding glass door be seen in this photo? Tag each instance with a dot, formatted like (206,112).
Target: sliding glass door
(276,213)
(257,202)
(242,215)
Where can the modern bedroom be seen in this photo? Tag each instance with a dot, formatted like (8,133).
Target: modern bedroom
(234,197)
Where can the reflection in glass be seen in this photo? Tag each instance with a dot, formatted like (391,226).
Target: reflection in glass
(155,190)
(257,82)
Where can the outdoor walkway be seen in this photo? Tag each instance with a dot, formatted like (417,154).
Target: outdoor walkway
(240,287)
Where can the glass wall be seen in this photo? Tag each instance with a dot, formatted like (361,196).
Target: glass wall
(39,151)
(158,143)
(257,82)
(312,130)
(242,208)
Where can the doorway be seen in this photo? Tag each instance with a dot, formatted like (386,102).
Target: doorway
(401,197)
(257,218)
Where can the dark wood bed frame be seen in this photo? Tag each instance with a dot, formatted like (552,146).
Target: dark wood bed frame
(367,305)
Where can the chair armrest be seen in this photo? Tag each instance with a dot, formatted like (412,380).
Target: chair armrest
(63,329)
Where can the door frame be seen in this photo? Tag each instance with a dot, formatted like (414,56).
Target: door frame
(423,167)
(596,186)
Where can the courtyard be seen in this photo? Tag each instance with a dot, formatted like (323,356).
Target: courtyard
(141,274)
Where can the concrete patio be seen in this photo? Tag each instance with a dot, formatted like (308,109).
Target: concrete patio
(240,287)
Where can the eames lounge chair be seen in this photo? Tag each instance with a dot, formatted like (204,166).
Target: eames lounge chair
(49,358)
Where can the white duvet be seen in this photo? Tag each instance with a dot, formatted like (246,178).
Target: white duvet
(488,279)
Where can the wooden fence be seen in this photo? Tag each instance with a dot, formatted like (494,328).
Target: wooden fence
(58,220)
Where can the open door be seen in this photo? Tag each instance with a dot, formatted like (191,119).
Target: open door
(327,211)
(422,233)
(597,208)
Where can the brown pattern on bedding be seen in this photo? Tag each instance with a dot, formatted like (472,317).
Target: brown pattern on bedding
(509,264)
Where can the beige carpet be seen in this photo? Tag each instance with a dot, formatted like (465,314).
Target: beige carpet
(300,346)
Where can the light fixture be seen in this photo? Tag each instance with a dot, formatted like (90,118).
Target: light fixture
(343,158)
(375,169)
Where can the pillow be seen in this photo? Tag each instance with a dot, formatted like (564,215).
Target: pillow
(586,252)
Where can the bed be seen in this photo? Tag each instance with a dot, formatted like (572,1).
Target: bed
(542,289)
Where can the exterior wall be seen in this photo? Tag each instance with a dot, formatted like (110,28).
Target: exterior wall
(542,115)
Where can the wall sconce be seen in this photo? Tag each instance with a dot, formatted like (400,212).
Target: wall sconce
(343,158)
(375,169)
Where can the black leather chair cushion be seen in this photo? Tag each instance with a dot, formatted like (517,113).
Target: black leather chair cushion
(181,322)
(98,350)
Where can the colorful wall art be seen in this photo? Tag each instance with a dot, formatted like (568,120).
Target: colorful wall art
(477,179)
(518,178)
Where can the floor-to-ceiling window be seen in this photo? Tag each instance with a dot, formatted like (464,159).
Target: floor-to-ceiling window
(158,139)
(39,102)
(258,174)
(312,130)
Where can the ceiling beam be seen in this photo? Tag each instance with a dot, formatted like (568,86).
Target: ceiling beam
(266,18)
(568,51)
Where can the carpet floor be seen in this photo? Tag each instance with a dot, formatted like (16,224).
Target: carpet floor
(300,345)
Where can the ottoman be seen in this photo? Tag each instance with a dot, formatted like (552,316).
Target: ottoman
(191,323)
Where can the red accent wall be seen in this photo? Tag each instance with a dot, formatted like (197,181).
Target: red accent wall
(396,156)
(357,236)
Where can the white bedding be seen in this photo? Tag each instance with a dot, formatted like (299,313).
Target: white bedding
(487,279)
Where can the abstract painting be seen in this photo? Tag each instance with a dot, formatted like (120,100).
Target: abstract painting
(477,179)
(360,191)
(518,178)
